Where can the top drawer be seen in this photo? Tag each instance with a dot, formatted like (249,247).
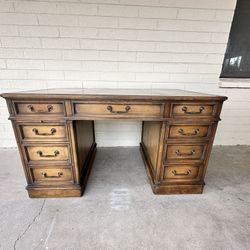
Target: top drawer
(39,108)
(121,110)
(193,109)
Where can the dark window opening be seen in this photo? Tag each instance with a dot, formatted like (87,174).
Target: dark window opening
(237,57)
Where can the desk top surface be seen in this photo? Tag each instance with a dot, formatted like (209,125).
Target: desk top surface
(81,93)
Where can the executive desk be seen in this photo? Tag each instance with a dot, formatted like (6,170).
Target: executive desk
(55,134)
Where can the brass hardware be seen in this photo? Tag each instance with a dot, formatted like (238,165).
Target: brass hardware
(178,153)
(40,153)
(32,109)
(185,110)
(181,174)
(110,109)
(181,131)
(52,132)
(45,175)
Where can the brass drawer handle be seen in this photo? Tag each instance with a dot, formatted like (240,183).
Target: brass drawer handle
(185,110)
(45,175)
(181,174)
(181,131)
(110,109)
(178,153)
(40,153)
(32,109)
(52,132)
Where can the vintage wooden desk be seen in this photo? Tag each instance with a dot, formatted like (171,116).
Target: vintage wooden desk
(55,134)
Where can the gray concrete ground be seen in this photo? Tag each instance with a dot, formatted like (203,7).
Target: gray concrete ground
(119,210)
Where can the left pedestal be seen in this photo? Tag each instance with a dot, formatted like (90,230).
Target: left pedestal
(57,157)
(57,154)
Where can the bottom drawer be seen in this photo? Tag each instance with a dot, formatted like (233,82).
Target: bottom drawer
(50,176)
(181,173)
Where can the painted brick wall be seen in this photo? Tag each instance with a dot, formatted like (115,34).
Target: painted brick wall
(119,44)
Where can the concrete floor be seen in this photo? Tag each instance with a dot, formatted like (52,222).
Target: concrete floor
(119,210)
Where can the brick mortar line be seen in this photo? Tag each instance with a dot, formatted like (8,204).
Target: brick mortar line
(118,40)
(105,50)
(134,62)
(118,71)
(43,60)
(109,28)
(117,81)
(107,39)
(128,17)
(127,5)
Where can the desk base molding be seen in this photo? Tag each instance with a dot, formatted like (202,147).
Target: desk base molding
(178,189)
(39,192)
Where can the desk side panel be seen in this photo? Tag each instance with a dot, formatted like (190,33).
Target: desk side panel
(85,147)
(151,142)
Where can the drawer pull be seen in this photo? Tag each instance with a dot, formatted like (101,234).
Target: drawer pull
(45,175)
(185,110)
(52,132)
(178,153)
(181,174)
(32,109)
(181,131)
(110,109)
(40,153)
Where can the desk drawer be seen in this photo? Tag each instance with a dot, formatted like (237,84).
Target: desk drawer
(181,173)
(193,109)
(38,132)
(118,110)
(39,108)
(188,131)
(50,176)
(47,153)
(184,153)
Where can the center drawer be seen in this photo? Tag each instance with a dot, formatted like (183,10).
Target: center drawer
(56,154)
(112,110)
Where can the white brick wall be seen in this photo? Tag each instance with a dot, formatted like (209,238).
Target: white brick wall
(119,44)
